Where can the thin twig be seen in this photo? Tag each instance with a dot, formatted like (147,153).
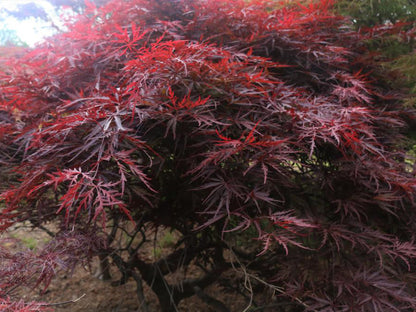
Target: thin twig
(62,303)
(247,282)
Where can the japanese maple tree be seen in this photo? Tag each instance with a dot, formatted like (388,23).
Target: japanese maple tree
(262,134)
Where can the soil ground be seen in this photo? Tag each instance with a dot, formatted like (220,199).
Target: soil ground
(81,291)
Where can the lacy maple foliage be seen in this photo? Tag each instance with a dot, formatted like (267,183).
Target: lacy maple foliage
(263,134)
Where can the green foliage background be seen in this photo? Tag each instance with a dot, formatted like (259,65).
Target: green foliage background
(397,55)
(8,37)
(376,12)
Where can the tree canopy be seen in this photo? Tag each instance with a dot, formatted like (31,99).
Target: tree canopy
(266,137)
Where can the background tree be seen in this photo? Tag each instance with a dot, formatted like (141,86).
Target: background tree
(378,12)
(265,139)
(37,10)
(76,5)
(44,17)
(9,38)
(395,53)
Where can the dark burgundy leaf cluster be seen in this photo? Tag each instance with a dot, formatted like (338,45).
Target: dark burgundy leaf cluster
(31,269)
(262,133)
(8,305)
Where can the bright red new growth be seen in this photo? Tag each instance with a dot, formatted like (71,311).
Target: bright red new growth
(228,122)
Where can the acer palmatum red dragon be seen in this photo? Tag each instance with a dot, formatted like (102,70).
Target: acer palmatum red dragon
(263,134)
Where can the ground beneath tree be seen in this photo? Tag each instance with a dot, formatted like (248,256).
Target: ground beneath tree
(82,291)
